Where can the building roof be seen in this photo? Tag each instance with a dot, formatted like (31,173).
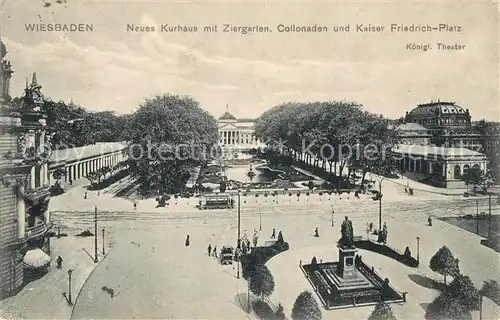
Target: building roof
(409,126)
(419,150)
(227,116)
(80,153)
(440,107)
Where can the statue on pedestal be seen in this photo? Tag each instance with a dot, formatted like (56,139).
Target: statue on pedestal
(347,239)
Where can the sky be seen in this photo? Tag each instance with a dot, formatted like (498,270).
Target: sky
(111,68)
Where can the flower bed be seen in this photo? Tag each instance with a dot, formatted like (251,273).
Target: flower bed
(386,251)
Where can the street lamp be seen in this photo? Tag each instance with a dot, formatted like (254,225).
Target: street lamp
(103,249)
(238,243)
(380,204)
(418,249)
(333,212)
(95,235)
(70,271)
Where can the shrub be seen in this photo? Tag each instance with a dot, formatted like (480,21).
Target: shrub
(290,194)
(307,193)
(320,193)
(256,195)
(266,194)
(306,307)
(244,194)
(298,194)
(329,192)
(262,310)
(382,311)
(85,233)
(491,289)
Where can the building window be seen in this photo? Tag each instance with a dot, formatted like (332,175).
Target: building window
(456,172)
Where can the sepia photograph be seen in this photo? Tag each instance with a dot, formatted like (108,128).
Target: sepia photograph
(263,160)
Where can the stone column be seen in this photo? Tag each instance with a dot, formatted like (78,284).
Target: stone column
(444,170)
(32,178)
(21,213)
(430,167)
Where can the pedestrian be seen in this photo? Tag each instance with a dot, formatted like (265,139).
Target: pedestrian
(429,221)
(248,244)
(371,226)
(209,249)
(187,240)
(273,236)
(59,261)
(135,205)
(85,197)
(255,240)
(215,251)
(316,232)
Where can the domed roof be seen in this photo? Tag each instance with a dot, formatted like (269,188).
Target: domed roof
(434,108)
(227,116)
(3,50)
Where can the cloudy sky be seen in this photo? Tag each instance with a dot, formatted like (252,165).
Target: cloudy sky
(112,69)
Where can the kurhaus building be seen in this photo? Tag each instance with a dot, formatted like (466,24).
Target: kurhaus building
(24,184)
(236,133)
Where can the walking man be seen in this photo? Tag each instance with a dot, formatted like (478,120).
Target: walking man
(316,232)
(209,249)
(215,251)
(273,236)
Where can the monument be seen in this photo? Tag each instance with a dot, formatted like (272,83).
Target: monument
(347,275)
(346,267)
(348,282)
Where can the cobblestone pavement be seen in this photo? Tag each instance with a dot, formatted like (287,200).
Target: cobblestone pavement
(153,274)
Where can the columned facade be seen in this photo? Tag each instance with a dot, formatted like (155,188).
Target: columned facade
(443,167)
(77,163)
(237,133)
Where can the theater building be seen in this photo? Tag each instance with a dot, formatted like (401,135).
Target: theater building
(24,184)
(447,124)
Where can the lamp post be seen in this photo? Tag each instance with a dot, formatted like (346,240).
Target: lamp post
(103,249)
(418,249)
(70,271)
(238,243)
(477,216)
(333,212)
(95,235)
(380,204)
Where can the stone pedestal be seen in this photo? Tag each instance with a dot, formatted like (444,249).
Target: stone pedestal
(346,268)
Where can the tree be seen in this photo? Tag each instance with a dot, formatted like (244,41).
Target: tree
(445,307)
(261,281)
(462,289)
(306,307)
(444,262)
(58,174)
(382,311)
(171,135)
(473,176)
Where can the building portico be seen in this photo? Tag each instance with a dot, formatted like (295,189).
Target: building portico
(440,166)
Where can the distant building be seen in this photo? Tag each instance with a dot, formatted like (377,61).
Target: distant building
(24,183)
(237,133)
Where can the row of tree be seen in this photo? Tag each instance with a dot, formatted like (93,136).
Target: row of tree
(74,126)
(341,134)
